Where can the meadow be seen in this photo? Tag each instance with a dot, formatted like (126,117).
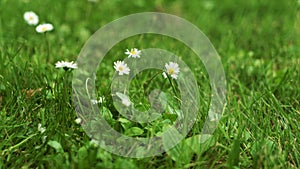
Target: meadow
(257,41)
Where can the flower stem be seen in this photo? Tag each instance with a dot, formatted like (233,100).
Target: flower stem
(173,87)
(48,48)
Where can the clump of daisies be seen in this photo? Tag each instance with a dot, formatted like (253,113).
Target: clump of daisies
(134,53)
(66,65)
(33,19)
(172,69)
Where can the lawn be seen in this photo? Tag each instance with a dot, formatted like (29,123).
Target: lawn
(42,125)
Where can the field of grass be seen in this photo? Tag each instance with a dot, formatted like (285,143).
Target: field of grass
(258,42)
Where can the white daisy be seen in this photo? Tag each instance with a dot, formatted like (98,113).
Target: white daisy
(121,67)
(172,69)
(31,18)
(41,129)
(135,53)
(78,120)
(124,98)
(100,100)
(66,65)
(44,28)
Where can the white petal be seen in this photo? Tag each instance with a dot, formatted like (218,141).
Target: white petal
(164,75)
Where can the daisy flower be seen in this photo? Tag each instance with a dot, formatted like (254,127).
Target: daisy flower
(42,28)
(94,142)
(66,65)
(135,53)
(41,129)
(172,69)
(31,18)
(78,120)
(124,98)
(121,67)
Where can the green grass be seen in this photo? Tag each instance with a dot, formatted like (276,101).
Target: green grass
(259,48)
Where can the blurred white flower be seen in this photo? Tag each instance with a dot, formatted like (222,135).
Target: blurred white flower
(121,67)
(124,98)
(78,120)
(44,28)
(135,53)
(172,69)
(208,5)
(66,65)
(100,100)
(94,142)
(126,102)
(94,101)
(41,129)
(31,18)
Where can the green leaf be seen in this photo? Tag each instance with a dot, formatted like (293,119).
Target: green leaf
(200,143)
(171,117)
(134,131)
(56,145)
(124,164)
(123,120)
(181,152)
(2,87)
(82,153)
(126,124)
(107,115)
(103,155)
(234,154)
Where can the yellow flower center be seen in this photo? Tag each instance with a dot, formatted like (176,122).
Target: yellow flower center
(44,29)
(132,52)
(171,71)
(121,68)
(30,18)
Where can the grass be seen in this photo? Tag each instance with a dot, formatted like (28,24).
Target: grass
(259,47)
